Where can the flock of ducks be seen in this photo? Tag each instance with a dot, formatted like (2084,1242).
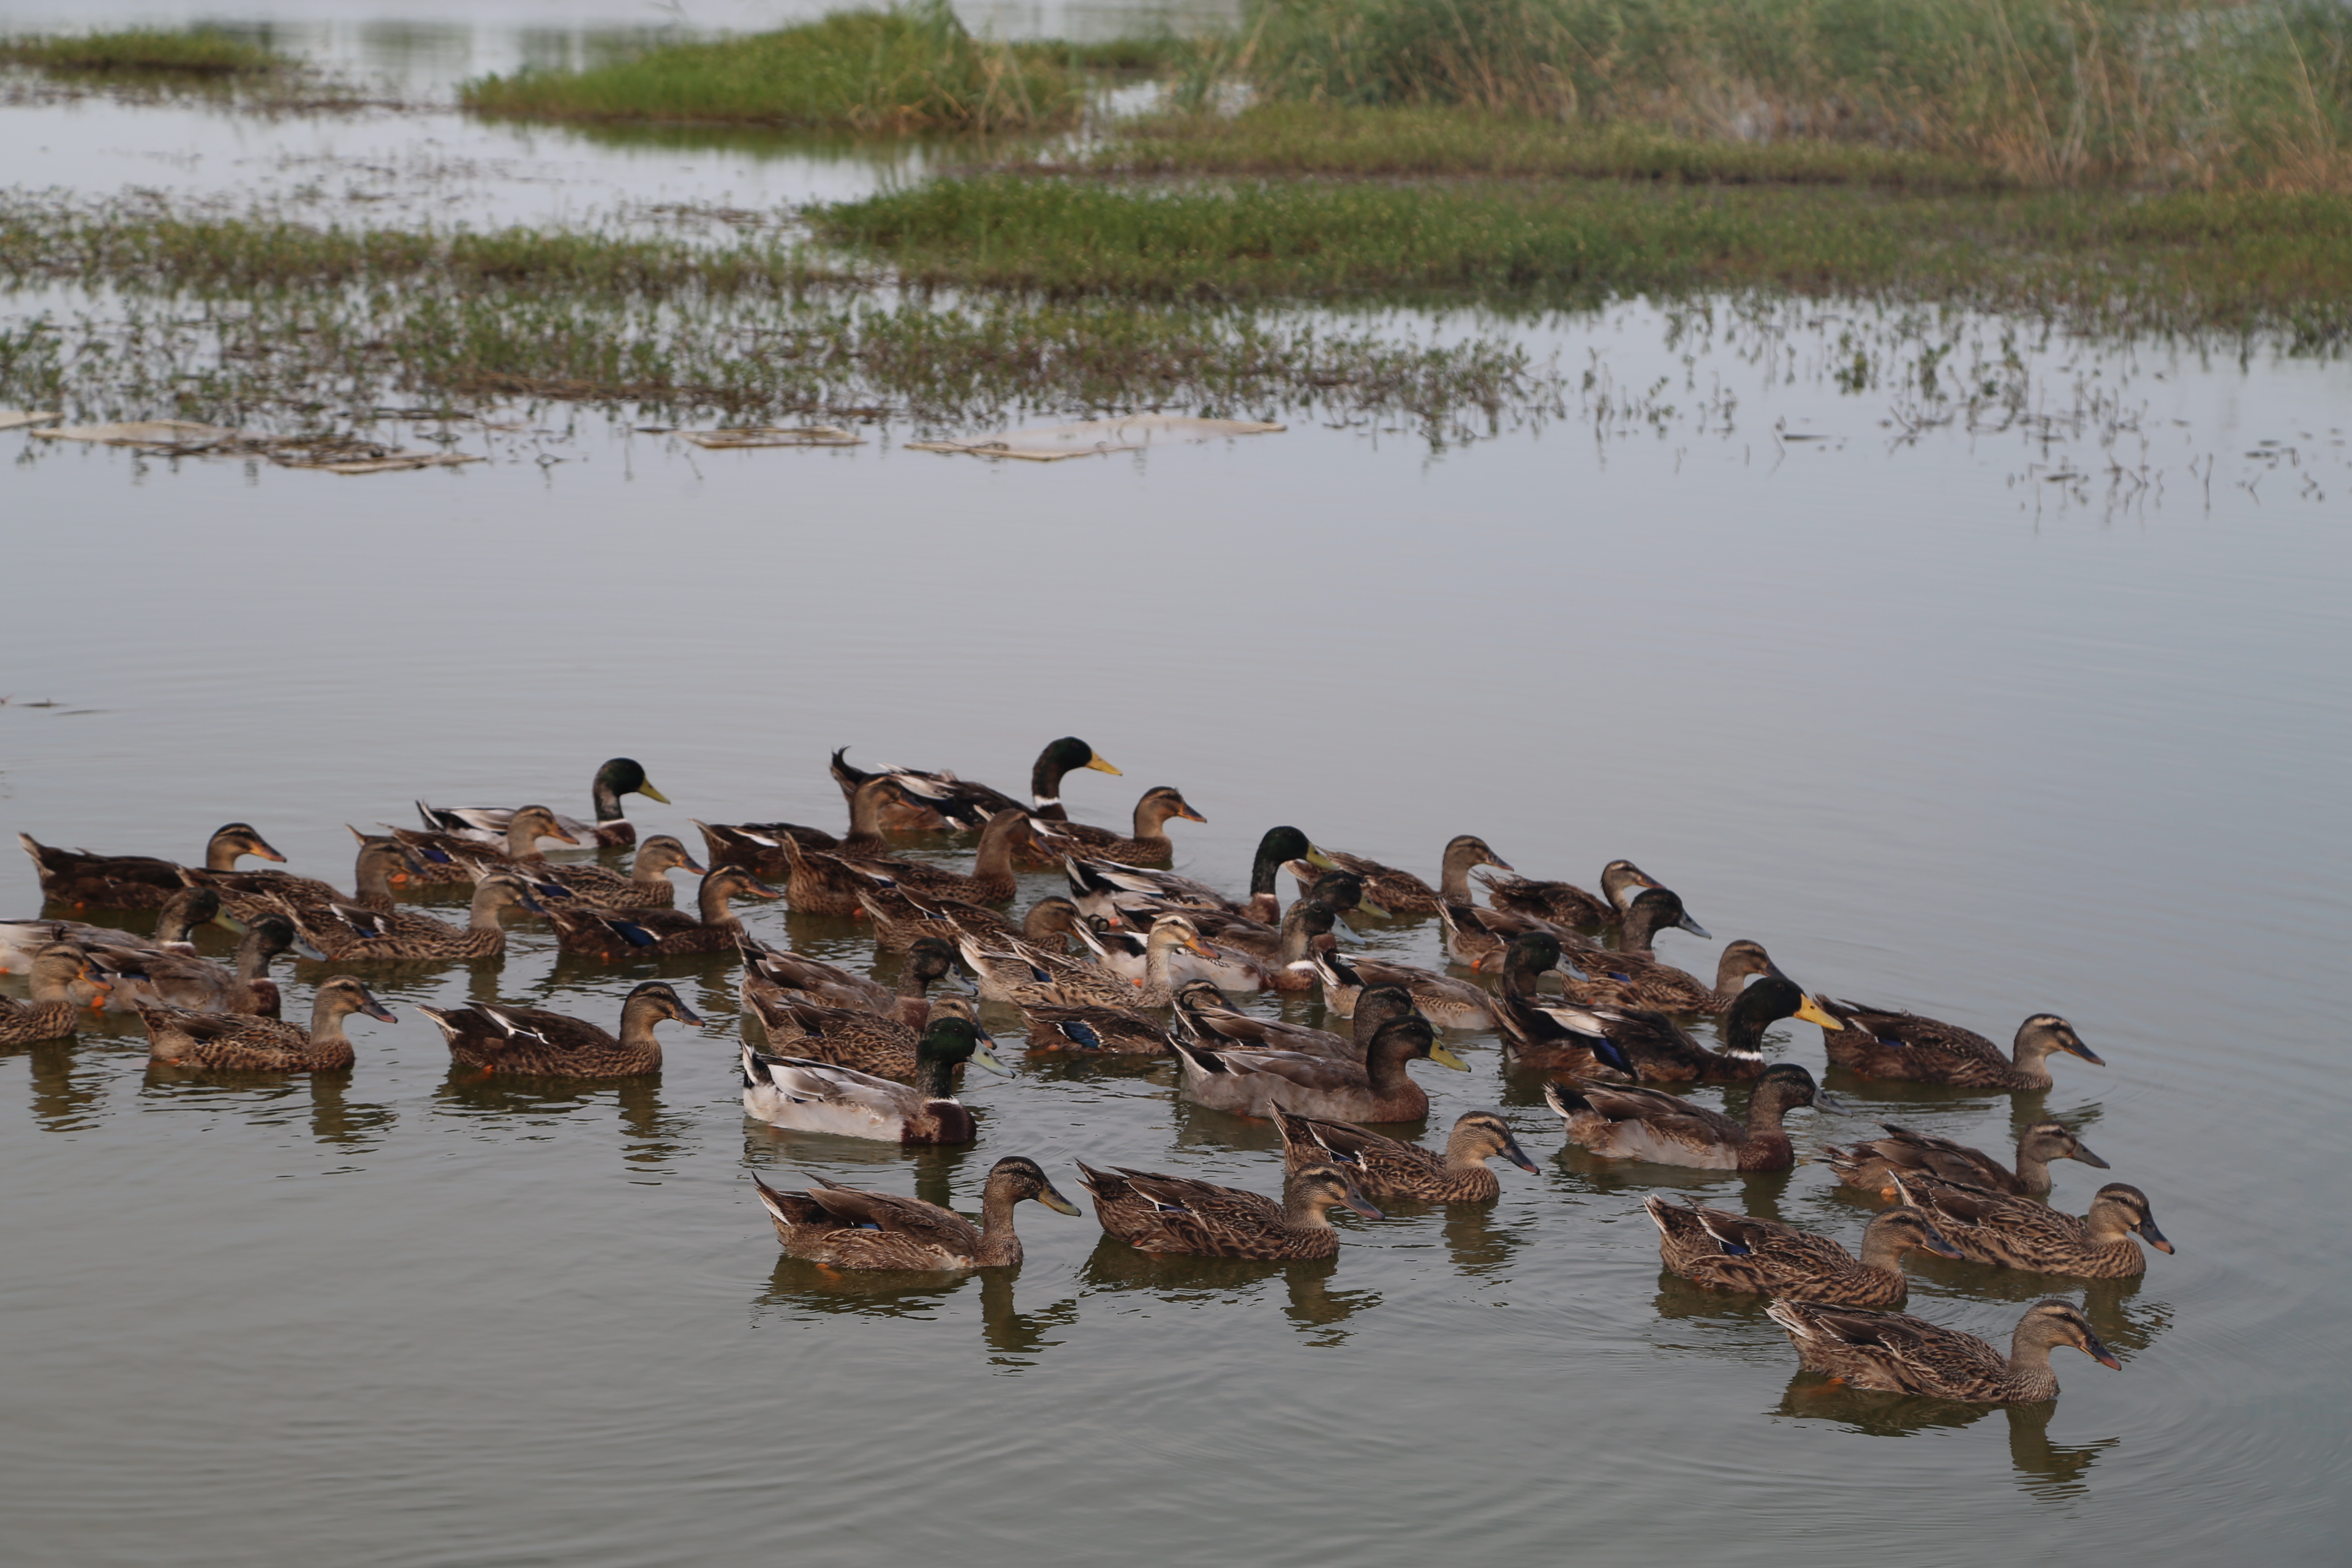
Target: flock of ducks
(1137,961)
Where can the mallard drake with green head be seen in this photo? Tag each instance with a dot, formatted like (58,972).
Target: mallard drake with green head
(1878,1042)
(585,929)
(768,972)
(82,880)
(1726,1251)
(175,924)
(1339,1089)
(1104,886)
(1872,1166)
(853,1038)
(151,977)
(610,830)
(927,802)
(902,917)
(347,933)
(1155,1213)
(247,896)
(817,1096)
(1448,1003)
(236,1042)
(1386,1169)
(534,1042)
(2018,1233)
(1630,1123)
(1897,1353)
(1150,842)
(1403,893)
(1565,904)
(842,1227)
(64,979)
(1655,1045)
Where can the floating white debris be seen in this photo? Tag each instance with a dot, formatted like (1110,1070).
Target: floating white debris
(776,435)
(143,433)
(12,418)
(1091,437)
(391,463)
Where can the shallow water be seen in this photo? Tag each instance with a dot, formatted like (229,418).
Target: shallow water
(1940,729)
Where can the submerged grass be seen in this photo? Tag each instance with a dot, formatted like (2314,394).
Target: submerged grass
(201,52)
(913,68)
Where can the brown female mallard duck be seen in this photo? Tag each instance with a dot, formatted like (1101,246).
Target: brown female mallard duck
(1448,1003)
(845,1229)
(149,978)
(1624,1123)
(1654,1045)
(771,972)
(817,1096)
(828,881)
(1878,1042)
(1565,904)
(1026,977)
(64,979)
(78,878)
(1241,965)
(1384,1169)
(2017,1233)
(1873,1166)
(1403,893)
(525,825)
(1731,1252)
(645,886)
(584,927)
(381,866)
(234,1041)
(347,933)
(1201,1012)
(1104,886)
(927,802)
(1897,1354)
(610,830)
(536,1043)
(1480,937)
(1632,975)
(175,923)
(1341,1088)
(1153,1213)
(1098,1030)
(1150,841)
(902,917)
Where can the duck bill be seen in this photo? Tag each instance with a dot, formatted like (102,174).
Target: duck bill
(1825,1100)
(1518,1156)
(1371,908)
(1355,1200)
(2153,1236)
(266,852)
(1055,1200)
(686,1014)
(1812,1012)
(647,790)
(1934,1242)
(375,1009)
(1444,1058)
(2100,1352)
(692,869)
(1101,765)
(1189,814)
(760,890)
(2089,1159)
(561,836)
(988,1060)
(2075,1046)
(1321,862)
(1696,929)
(1195,944)
(303,947)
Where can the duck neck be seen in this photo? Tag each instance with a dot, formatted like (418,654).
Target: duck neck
(1520,972)
(522,838)
(1000,1247)
(1156,955)
(1385,1062)
(1615,878)
(54,984)
(1466,1149)
(648,868)
(254,952)
(2028,1360)
(1305,1208)
(914,980)
(608,802)
(372,875)
(327,1015)
(1743,1027)
(1883,1244)
(713,903)
(489,898)
(1642,922)
(1306,921)
(1151,815)
(1765,1110)
(2033,1170)
(935,1076)
(1454,872)
(865,808)
(994,857)
(638,1016)
(1045,787)
(1267,865)
(2031,1059)
(181,915)
(220,854)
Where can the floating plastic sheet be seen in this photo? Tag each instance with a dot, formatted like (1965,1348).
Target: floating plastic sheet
(16,418)
(1092,438)
(776,435)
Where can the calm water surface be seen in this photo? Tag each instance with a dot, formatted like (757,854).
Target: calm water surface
(1938,729)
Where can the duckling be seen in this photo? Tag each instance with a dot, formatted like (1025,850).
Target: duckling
(1153,1213)
(610,830)
(1339,1089)
(1449,1004)
(1565,904)
(1647,1124)
(1731,1252)
(902,917)
(929,802)
(533,1041)
(234,1041)
(347,933)
(1872,1166)
(852,1037)
(175,924)
(816,1097)
(769,972)
(1881,1043)
(1151,841)
(1403,893)
(845,1229)
(1897,1353)
(2017,1233)
(63,979)
(1657,1047)
(647,933)
(1387,1169)
(78,878)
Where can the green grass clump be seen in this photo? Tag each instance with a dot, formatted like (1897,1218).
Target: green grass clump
(909,69)
(2246,261)
(1354,142)
(145,51)
(2048,91)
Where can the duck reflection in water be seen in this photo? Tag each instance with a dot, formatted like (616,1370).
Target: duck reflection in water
(1222,1283)
(68,1090)
(2054,1472)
